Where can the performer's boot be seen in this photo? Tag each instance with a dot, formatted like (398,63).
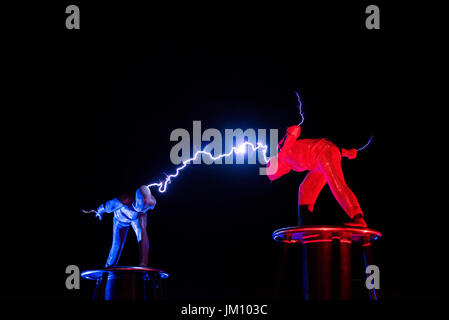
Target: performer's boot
(356,221)
(304,216)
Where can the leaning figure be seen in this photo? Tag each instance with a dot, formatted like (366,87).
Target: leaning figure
(322,159)
(129,210)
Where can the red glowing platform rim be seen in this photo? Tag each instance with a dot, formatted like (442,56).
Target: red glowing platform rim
(310,234)
(96,274)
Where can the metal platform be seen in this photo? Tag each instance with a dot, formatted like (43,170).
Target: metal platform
(126,283)
(311,234)
(96,274)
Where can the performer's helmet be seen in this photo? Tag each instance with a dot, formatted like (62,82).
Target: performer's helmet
(143,196)
(294,131)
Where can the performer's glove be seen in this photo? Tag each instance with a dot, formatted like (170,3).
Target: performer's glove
(100,212)
(350,154)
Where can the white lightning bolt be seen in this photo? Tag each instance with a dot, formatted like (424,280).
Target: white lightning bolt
(240,149)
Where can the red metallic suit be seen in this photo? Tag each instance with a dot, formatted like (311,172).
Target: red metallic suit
(323,160)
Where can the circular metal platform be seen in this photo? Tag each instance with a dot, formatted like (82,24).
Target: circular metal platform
(97,274)
(310,234)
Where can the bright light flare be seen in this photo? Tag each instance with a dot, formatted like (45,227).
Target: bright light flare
(241,149)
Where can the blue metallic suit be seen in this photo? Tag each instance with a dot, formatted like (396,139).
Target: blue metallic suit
(129,211)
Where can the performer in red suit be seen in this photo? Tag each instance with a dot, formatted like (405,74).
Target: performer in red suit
(322,159)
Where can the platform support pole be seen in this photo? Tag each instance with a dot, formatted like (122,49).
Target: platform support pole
(317,271)
(345,270)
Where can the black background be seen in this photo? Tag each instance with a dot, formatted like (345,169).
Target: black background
(87,114)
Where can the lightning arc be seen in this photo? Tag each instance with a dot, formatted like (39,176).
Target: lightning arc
(366,145)
(301,113)
(89,211)
(237,150)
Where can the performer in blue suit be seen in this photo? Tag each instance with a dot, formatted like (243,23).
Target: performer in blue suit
(129,210)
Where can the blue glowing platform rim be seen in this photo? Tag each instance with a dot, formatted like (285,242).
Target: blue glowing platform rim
(96,274)
(325,233)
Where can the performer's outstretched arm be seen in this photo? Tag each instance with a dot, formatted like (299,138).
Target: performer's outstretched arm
(108,207)
(276,168)
(350,154)
(112,205)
